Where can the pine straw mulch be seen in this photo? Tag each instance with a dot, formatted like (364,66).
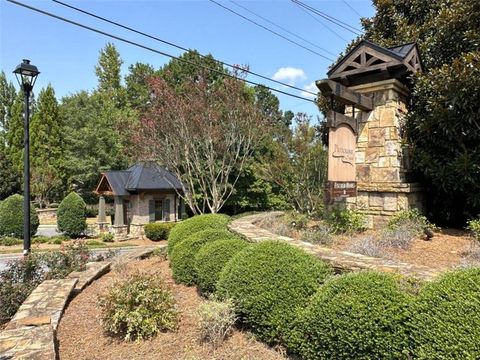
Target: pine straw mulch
(80,334)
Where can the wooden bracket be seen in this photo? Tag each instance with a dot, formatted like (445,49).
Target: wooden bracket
(334,119)
(343,94)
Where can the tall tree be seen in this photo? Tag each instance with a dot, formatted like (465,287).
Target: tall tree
(203,131)
(108,72)
(47,148)
(7,97)
(14,135)
(137,87)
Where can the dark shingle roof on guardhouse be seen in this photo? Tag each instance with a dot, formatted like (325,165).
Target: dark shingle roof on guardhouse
(143,176)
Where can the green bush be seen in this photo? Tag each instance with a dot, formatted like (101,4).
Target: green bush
(10,241)
(11,217)
(187,227)
(40,239)
(445,321)
(411,217)
(269,283)
(107,237)
(216,320)
(182,259)
(71,257)
(138,308)
(474,227)
(158,231)
(346,221)
(71,215)
(355,316)
(211,259)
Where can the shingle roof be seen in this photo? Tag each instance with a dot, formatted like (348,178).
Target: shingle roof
(142,176)
(403,49)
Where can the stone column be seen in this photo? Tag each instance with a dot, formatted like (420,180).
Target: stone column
(119,227)
(381,170)
(103,226)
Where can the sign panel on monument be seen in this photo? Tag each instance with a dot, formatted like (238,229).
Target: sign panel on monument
(341,161)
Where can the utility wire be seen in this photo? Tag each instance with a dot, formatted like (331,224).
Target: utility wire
(352,8)
(271,31)
(151,49)
(328,17)
(281,27)
(175,45)
(321,23)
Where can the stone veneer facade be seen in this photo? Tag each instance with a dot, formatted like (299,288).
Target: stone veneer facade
(382,166)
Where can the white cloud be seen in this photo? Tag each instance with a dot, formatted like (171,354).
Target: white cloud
(289,75)
(310,87)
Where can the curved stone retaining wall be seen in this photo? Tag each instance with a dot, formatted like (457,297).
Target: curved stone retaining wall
(340,260)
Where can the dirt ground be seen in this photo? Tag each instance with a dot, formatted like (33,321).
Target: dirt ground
(443,251)
(81,336)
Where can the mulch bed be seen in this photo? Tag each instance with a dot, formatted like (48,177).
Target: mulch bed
(81,336)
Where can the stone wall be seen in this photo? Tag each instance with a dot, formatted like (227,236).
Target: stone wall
(382,166)
(47,215)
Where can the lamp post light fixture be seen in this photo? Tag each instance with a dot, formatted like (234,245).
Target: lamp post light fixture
(26,75)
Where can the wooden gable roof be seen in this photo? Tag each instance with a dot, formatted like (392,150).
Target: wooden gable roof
(368,62)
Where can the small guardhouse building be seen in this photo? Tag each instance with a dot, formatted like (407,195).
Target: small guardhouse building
(368,164)
(144,193)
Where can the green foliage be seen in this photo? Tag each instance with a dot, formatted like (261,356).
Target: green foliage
(138,308)
(354,316)
(474,226)
(190,226)
(9,177)
(158,231)
(47,149)
(182,259)
(411,217)
(108,72)
(71,257)
(445,317)
(107,237)
(10,241)
(137,88)
(11,217)
(17,281)
(269,283)
(71,215)
(211,259)
(346,221)
(57,239)
(14,134)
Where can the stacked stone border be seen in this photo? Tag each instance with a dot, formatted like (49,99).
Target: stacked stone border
(341,260)
(31,333)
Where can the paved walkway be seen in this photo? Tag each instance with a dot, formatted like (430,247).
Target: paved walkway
(340,260)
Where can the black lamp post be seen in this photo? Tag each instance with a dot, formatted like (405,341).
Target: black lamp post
(26,75)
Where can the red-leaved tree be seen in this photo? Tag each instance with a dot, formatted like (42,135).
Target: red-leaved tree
(204,134)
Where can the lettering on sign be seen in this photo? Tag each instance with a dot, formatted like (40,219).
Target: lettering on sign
(346,155)
(341,153)
(340,189)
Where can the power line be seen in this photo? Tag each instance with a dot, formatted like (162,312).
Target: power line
(270,30)
(173,44)
(328,17)
(282,28)
(321,23)
(150,49)
(352,8)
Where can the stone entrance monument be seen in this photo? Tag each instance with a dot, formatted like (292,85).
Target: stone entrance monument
(368,167)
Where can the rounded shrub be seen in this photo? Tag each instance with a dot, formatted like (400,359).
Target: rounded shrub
(269,283)
(445,321)
(211,259)
(187,227)
(182,259)
(354,316)
(71,215)
(158,231)
(11,217)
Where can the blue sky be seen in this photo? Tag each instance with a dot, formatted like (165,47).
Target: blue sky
(66,55)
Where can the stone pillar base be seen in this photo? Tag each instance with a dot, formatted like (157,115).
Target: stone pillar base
(103,227)
(378,202)
(120,230)
(136,230)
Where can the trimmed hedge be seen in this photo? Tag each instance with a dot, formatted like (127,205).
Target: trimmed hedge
(158,231)
(269,283)
(182,259)
(354,316)
(197,223)
(445,321)
(211,259)
(11,217)
(71,215)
